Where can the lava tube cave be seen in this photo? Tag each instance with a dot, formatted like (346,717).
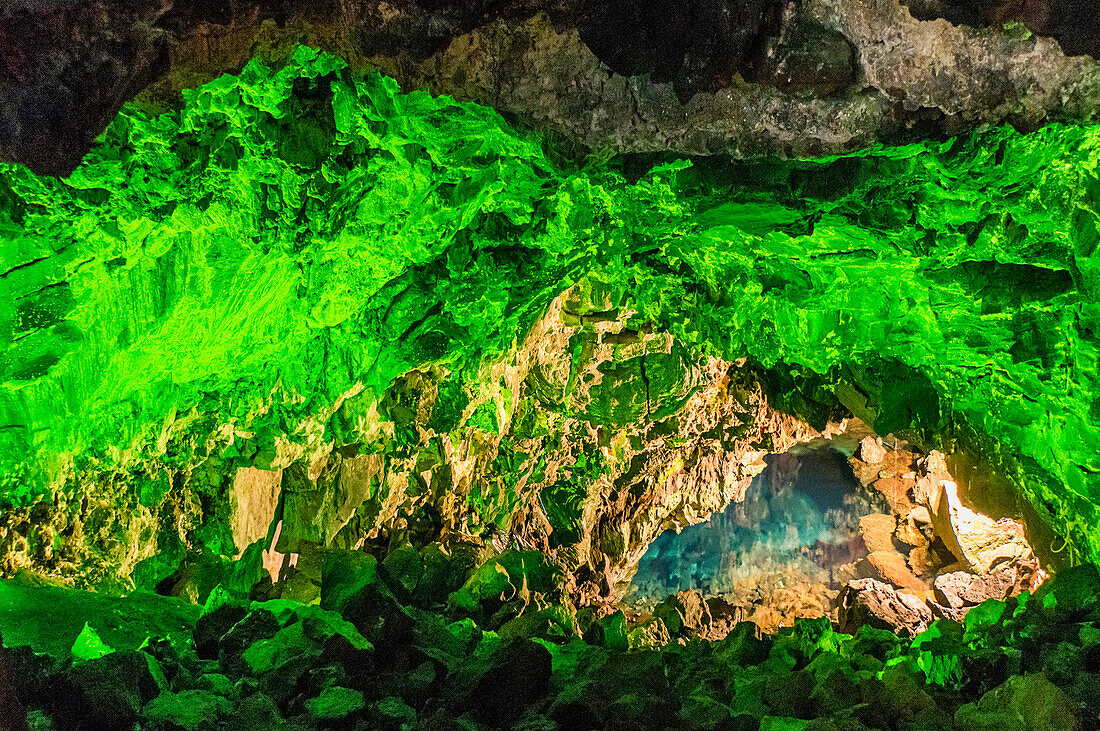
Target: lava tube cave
(707,364)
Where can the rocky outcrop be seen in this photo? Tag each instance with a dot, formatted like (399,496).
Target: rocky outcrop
(66,70)
(873,603)
(748,77)
(1073,23)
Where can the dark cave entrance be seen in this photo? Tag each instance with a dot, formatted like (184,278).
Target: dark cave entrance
(788,546)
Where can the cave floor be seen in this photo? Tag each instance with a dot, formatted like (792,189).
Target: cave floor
(367,657)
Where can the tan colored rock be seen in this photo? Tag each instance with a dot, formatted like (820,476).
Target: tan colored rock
(897,492)
(908,533)
(978,541)
(891,567)
(878,532)
(921,561)
(871,450)
(254,498)
(872,602)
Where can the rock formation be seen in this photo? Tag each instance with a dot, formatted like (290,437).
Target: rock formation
(402,352)
(748,77)
(223,314)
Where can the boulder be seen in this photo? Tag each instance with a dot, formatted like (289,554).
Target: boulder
(212,626)
(871,602)
(555,623)
(355,590)
(1073,592)
(877,530)
(503,587)
(257,625)
(871,450)
(898,698)
(1028,702)
(979,542)
(512,679)
(745,645)
(343,575)
(609,631)
(403,569)
(107,692)
(217,684)
(257,712)
(11,710)
(446,568)
(393,714)
(891,567)
(684,614)
(189,710)
(335,704)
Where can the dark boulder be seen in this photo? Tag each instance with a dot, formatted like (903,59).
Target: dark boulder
(107,692)
(258,625)
(212,626)
(12,715)
(511,680)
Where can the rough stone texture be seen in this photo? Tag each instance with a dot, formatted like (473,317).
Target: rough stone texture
(870,602)
(697,76)
(66,69)
(957,592)
(1015,665)
(1075,24)
(871,451)
(1031,702)
(979,542)
(581,426)
(11,710)
(255,496)
(49,618)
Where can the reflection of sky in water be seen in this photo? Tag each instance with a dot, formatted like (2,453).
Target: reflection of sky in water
(802,512)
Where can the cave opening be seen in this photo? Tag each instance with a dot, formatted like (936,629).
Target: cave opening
(830,517)
(789,545)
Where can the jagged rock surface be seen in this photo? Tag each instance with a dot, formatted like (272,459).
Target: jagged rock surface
(695,76)
(371,657)
(203,324)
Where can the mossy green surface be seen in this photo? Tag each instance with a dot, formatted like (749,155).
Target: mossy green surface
(211,278)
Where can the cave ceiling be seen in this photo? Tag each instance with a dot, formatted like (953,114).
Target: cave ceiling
(379,316)
(747,77)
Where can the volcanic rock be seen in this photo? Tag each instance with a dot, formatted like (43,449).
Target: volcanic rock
(188,710)
(516,677)
(871,450)
(870,602)
(1025,701)
(107,692)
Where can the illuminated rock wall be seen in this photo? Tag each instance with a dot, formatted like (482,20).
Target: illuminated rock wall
(429,323)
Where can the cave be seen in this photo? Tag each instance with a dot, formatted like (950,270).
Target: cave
(815,522)
(797,528)
(713,364)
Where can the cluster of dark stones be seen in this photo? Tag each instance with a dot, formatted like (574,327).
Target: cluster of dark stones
(499,647)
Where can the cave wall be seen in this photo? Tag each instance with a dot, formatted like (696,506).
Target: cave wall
(394,301)
(748,77)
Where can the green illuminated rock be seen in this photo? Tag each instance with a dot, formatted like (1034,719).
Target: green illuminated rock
(304,260)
